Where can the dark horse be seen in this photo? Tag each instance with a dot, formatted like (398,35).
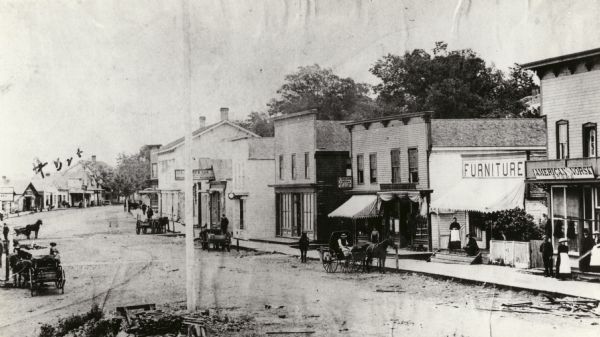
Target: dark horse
(379,252)
(29,228)
(20,269)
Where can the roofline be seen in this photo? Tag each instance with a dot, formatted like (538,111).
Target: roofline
(560,59)
(487,148)
(181,140)
(387,118)
(488,119)
(296,114)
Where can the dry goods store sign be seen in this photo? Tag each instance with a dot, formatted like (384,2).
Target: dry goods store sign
(493,168)
(553,173)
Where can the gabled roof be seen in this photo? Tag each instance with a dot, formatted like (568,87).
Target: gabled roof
(18,185)
(488,132)
(203,130)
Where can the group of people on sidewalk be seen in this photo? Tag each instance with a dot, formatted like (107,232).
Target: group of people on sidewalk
(563,264)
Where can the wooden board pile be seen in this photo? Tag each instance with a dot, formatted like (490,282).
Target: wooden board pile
(156,322)
(579,308)
(217,324)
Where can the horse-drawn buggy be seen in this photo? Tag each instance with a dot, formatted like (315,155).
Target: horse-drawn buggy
(154,226)
(216,238)
(349,256)
(30,265)
(28,229)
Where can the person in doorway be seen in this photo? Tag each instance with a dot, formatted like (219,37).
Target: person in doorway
(343,244)
(224,224)
(471,248)
(303,244)
(586,246)
(375,235)
(150,213)
(5,231)
(563,266)
(547,253)
(454,242)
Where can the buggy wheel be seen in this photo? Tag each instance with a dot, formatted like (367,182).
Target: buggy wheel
(31,288)
(137,229)
(329,263)
(60,279)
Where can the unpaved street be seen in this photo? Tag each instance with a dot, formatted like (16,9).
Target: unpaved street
(112,266)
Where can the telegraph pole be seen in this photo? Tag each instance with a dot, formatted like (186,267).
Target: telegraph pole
(188,193)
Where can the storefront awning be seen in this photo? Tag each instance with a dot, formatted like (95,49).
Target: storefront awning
(358,207)
(481,195)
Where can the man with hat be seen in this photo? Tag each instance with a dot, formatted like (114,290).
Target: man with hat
(343,244)
(54,251)
(547,251)
(5,231)
(563,266)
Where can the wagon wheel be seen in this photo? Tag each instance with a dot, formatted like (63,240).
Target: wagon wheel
(346,264)
(329,262)
(31,287)
(137,227)
(60,279)
(145,230)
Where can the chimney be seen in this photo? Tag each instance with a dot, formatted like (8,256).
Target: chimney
(224,114)
(202,121)
(93,158)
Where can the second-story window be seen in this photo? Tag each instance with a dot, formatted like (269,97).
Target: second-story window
(293,166)
(154,170)
(413,165)
(373,167)
(562,139)
(589,140)
(395,158)
(280,167)
(360,169)
(306,165)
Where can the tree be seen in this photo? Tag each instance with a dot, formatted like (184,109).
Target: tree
(454,84)
(516,225)
(259,123)
(334,97)
(132,173)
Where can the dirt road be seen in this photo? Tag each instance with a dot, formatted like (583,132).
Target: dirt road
(112,266)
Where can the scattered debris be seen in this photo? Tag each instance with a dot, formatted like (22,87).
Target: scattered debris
(289,332)
(282,316)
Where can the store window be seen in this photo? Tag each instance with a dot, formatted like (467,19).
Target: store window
(413,165)
(562,139)
(293,164)
(154,170)
(360,169)
(280,167)
(395,159)
(373,168)
(589,140)
(566,218)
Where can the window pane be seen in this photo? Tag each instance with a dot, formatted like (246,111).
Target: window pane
(373,167)
(558,202)
(573,202)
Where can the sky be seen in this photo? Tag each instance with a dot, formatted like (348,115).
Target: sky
(107,76)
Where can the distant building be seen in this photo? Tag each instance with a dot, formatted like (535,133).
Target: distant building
(570,103)
(310,156)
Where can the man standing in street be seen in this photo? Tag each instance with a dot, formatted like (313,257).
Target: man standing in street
(224,224)
(149,212)
(5,231)
(586,245)
(547,252)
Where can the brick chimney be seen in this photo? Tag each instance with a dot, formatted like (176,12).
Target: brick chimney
(93,158)
(224,114)
(202,121)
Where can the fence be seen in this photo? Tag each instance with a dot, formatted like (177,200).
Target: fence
(516,253)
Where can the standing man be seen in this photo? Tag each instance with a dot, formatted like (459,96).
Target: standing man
(303,244)
(586,245)
(144,209)
(545,226)
(150,213)
(454,235)
(224,224)
(5,231)
(375,235)
(547,252)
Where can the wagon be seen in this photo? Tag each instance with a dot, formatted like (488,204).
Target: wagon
(333,258)
(216,238)
(155,226)
(46,269)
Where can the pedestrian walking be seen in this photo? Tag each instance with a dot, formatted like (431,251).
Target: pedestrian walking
(224,224)
(303,244)
(586,245)
(5,231)
(454,242)
(150,213)
(547,251)
(563,266)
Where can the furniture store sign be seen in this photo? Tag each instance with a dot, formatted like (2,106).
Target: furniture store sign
(554,173)
(493,168)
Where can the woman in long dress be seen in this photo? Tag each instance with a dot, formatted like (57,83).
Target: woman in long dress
(454,235)
(563,265)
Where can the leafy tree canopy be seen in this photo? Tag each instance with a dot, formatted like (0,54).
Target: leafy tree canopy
(454,84)
(259,123)
(516,225)
(334,97)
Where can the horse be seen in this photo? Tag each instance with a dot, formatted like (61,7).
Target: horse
(30,228)
(379,251)
(20,269)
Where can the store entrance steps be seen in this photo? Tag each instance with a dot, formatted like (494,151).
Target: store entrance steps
(455,257)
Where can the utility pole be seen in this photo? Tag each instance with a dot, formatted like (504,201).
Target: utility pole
(190,284)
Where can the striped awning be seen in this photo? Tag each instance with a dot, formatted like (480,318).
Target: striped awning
(481,195)
(358,207)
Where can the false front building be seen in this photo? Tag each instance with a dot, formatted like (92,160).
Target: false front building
(570,102)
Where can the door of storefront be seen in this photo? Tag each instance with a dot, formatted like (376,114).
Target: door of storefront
(399,215)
